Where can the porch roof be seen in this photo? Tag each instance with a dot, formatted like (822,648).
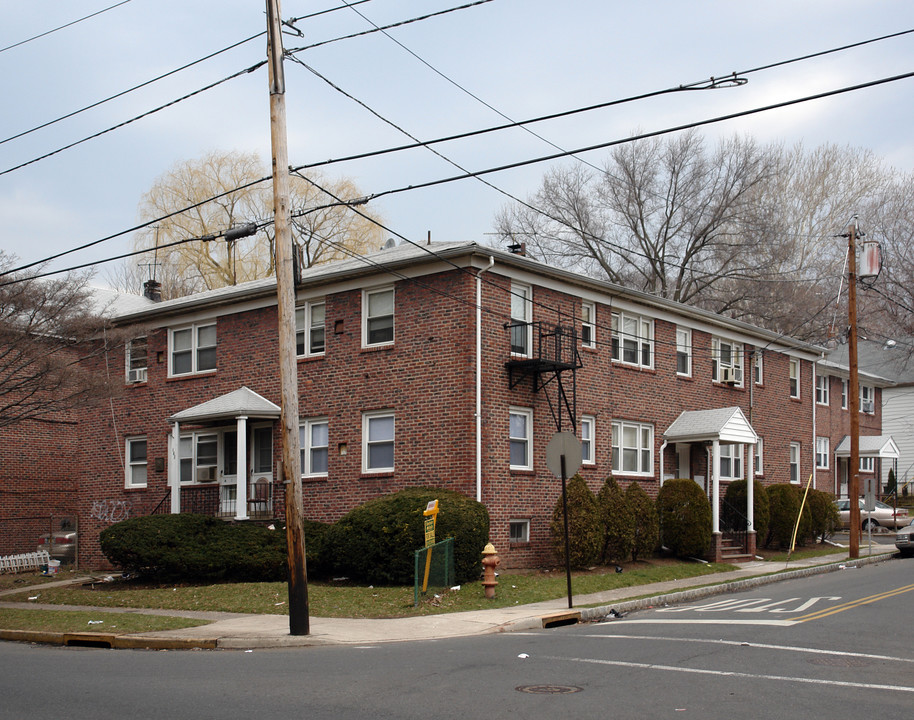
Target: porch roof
(727,425)
(882,446)
(240,402)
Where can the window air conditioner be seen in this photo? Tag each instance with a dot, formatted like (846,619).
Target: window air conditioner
(206,474)
(867,406)
(136,376)
(731,376)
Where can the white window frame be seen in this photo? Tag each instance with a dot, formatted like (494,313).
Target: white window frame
(521,319)
(368,443)
(731,461)
(822,394)
(588,432)
(195,349)
(136,361)
(844,392)
(758,368)
(193,440)
(734,362)
(368,318)
(643,448)
(308,448)
(684,350)
(524,531)
(135,467)
(795,374)
(795,450)
(822,453)
(641,341)
(868,394)
(306,329)
(867,465)
(525,440)
(588,325)
(758,457)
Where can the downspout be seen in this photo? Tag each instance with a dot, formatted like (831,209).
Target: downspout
(815,441)
(479,377)
(662,448)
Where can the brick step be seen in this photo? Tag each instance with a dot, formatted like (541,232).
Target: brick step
(736,557)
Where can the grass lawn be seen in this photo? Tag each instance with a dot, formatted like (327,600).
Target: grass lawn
(341,599)
(88,621)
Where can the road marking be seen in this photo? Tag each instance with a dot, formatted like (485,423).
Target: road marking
(729,673)
(850,605)
(704,621)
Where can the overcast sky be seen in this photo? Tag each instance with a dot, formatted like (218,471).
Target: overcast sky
(519,58)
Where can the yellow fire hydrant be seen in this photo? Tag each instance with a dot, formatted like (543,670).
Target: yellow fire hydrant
(489,562)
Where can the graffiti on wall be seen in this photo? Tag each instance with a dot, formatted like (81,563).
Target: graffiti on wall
(111,511)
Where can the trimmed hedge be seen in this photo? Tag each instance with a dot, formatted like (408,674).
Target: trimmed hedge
(685,518)
(784,503)
(733,509)
(645,523)
(823,515)
(617,522)
(585,530)
(375,542)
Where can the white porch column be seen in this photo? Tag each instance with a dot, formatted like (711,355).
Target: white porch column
(715,487)
(241,477)
(174,468)
(750,490)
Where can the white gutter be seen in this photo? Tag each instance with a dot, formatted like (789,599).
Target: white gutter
(479,377)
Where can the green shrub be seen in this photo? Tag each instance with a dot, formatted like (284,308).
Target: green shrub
(733,509)
(376,542)
(784,506)
(617,523)
(645,525)
(685,518)
(585,532)
(891,487)
(823,515)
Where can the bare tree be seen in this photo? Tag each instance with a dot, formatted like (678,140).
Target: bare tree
(48,330)
(230,189)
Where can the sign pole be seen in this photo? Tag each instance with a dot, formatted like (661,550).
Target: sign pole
(565,514)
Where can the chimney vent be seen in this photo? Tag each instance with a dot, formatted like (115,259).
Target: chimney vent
(153,290)
(518,249)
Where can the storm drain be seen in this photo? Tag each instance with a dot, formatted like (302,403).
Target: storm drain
(94,640)
(548,689)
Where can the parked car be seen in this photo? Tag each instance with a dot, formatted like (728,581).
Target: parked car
(883,515)
(904,539)
(60,545)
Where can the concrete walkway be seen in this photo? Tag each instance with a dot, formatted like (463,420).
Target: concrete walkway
(243,631)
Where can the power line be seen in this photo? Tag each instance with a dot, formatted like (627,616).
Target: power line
(61,27)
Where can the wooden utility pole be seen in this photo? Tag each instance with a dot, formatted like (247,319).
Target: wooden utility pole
(853,402)
(285,294)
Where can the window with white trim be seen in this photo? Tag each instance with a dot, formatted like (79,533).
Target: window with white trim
(683,351)
(794,378)
(731,462)
(757,457)
(633,339)
(314,444)
(378,317)
(822,390)
(198,455)
(795,463)
(867,399)
(378,441)
(632,448)
(520,438)
(137,464)
(726,361)
(193,349)
(521,317)
(310,336)
(588,325)
(822,453)
(519,531)
(137,358)
(844,386)
(867,465)
(588,424)
(757,368)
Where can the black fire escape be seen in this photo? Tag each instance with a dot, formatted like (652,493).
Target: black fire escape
(544,353)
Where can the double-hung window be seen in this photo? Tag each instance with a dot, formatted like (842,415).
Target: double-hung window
(378,441)
(588,423)
(795,463)
(758,368)
(378,317)
(794,378)
(867,399)
(521,317)
(632,339)
(137,360)
(683,351)
(759,454)
(632,448)
(821,389)
(520,438)
(726,362)
(198,454)
(866,464)
(193,349)
(314,441)
(136,462)
(822,453)
(731,462)
(309,329)
(588,325)
(844,384)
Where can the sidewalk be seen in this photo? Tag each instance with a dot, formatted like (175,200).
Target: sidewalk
(241,631)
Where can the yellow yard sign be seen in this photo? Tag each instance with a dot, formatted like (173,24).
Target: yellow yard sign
(431,517)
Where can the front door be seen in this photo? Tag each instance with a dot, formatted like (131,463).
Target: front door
(260,497)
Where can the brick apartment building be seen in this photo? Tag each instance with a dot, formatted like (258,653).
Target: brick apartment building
(436,365)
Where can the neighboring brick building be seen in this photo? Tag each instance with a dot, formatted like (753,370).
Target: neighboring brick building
(418,366)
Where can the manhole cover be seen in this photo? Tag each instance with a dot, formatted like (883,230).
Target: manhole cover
(548,689)
(840,661)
